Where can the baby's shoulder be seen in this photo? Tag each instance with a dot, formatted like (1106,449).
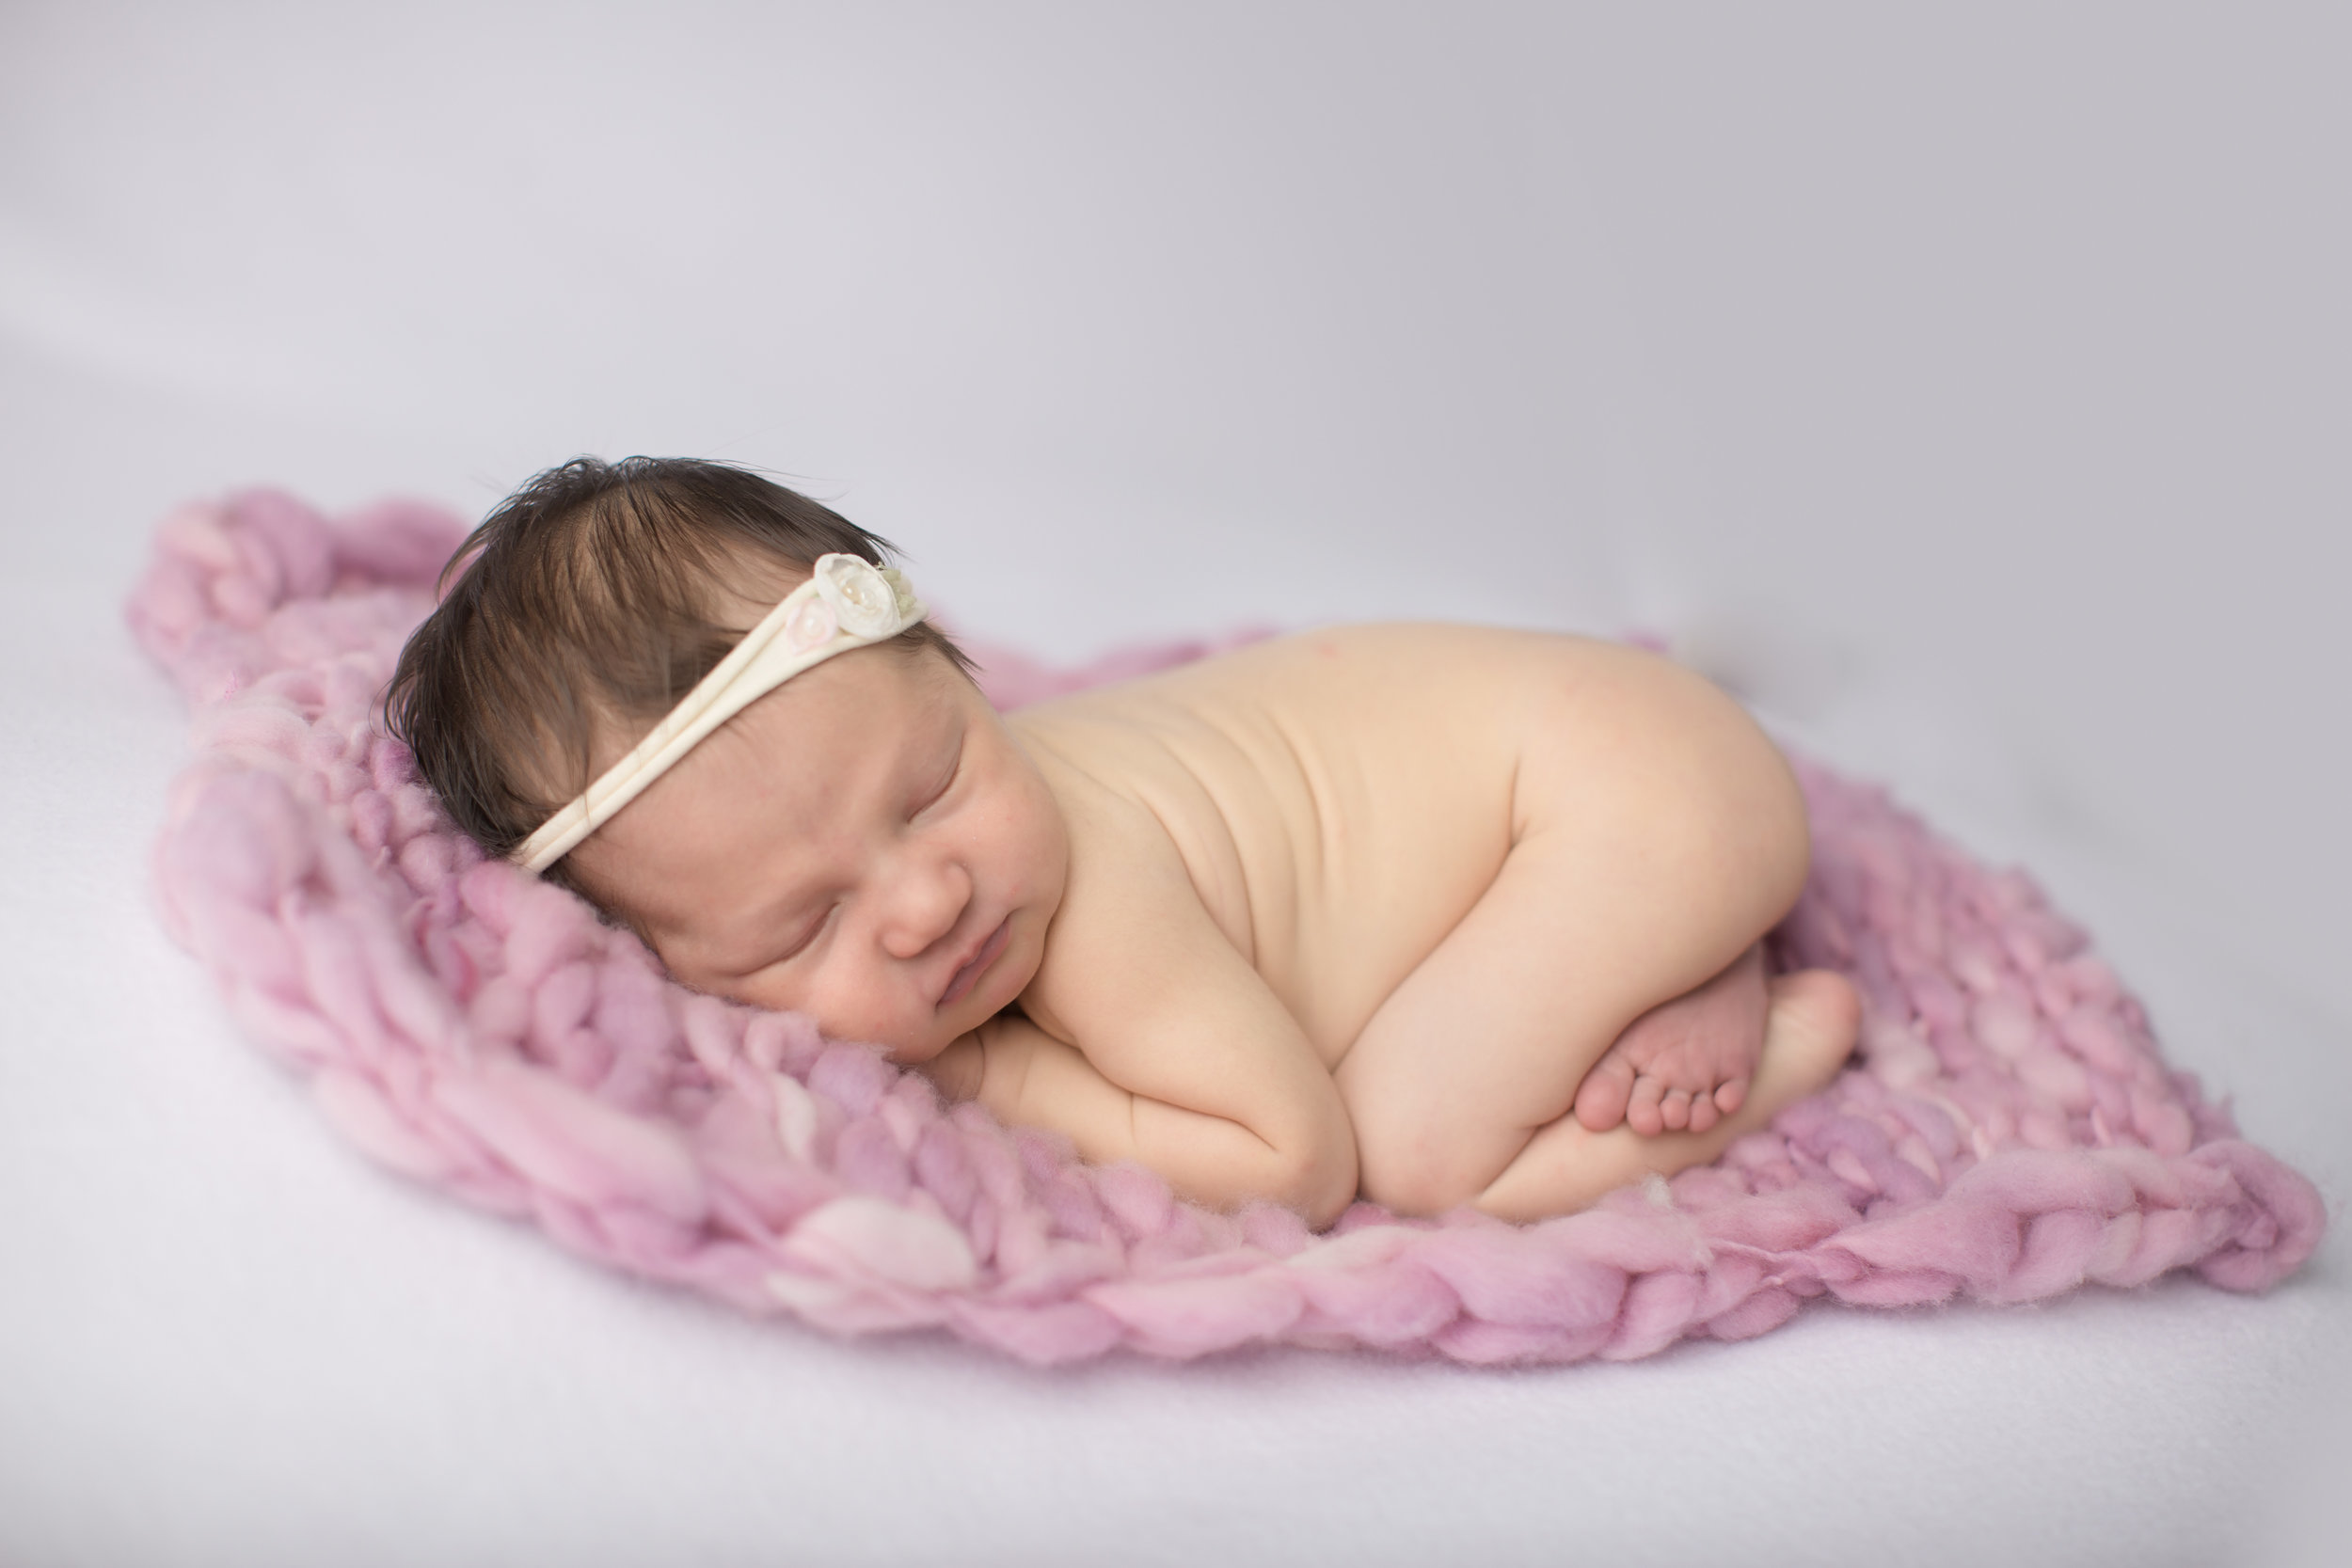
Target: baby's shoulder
(1414,682)
(1384,675)
(1337,702)
(1398,657)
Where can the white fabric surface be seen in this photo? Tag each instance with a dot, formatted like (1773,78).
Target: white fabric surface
(1970,391)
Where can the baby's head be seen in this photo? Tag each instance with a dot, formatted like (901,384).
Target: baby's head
(865,843)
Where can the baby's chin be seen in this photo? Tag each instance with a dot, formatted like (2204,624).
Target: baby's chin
(917,1052)
(998,989)
(915,1044)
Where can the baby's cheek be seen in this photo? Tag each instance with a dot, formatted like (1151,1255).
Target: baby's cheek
(865,1009)
(754,991)
(781,990)
(1041,851)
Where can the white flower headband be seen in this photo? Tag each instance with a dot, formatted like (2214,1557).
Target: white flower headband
(847,603)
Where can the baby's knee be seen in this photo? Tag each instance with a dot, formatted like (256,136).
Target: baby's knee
(1407,1169)
(1417,1192)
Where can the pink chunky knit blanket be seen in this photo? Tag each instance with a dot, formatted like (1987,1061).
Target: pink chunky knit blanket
(2008,1134)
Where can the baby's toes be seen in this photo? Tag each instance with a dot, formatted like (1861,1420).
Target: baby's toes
(1673,1109)
(1731,1094)
(1641,1112)
(1601,1099)
(1703,1111)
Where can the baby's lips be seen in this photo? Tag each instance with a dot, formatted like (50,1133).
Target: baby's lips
(968,973)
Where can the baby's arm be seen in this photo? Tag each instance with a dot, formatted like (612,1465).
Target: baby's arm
(1149,1037)
(1026,1077)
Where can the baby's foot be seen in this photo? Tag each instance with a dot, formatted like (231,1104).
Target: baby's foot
(1810,1020)
(1685,1064)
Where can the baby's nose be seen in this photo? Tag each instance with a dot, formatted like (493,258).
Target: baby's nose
(927,900)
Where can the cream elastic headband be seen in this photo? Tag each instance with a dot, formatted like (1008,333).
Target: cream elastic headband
(847,603)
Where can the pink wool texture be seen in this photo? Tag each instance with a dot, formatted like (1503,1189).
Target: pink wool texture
(2008,1130)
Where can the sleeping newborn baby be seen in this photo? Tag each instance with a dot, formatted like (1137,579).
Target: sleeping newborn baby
(1437,914)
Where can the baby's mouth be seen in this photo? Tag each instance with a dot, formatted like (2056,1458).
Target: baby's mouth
(969,975)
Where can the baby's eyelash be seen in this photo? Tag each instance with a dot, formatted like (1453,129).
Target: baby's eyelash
(955,769)
(808,936)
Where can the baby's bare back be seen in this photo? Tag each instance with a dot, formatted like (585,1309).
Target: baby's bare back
(1340,799)
(1375,901)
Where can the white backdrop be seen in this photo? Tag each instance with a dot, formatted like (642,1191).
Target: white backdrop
(1969,391)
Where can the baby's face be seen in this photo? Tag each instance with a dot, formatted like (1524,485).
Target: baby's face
(866,844)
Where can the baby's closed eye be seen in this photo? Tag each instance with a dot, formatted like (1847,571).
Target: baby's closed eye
(806,935)
(940,786)
(797,938)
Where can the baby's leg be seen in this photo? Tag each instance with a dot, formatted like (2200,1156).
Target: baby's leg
(1683,1065)
(1657,836)
(1809,1032)
(1489,1039)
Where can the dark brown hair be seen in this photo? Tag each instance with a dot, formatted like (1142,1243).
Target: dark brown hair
(589,602)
